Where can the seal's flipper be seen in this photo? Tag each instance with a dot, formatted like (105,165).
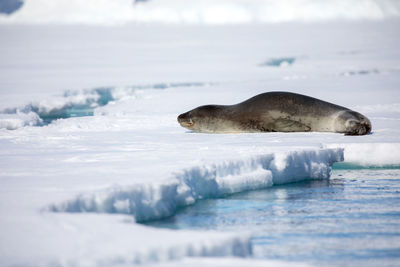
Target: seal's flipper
(288,125)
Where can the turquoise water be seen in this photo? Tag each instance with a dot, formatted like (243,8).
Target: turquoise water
(351,219)
(277,62)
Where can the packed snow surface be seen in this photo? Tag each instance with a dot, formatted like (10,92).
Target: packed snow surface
(90,144)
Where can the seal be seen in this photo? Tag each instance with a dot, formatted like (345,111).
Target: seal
(276,112)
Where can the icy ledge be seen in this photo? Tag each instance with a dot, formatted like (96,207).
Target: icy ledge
(157,200)
(370,155)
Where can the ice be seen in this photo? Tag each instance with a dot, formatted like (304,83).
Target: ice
(375,154)
(19,119)
(109,241)
(77,103)
(130,160)
(155,201)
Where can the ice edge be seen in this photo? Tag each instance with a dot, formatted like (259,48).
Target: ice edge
(159,200)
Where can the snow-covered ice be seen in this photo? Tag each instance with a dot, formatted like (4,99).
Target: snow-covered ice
(73,188)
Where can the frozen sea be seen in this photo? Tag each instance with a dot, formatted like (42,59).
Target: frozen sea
(96,171)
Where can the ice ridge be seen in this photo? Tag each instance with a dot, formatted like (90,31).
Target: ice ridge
(158,200)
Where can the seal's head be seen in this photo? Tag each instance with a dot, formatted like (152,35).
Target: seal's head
(186,120)
(354,123)
(205,119)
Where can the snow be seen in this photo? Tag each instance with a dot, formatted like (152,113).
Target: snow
(19,119)
(131,161)
(117,12)
(63,240)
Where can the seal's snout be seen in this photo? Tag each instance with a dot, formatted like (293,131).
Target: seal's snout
(185,120)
